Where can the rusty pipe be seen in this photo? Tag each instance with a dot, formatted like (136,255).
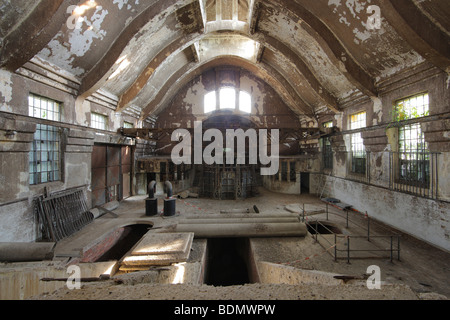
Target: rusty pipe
(151,189)
(169,189)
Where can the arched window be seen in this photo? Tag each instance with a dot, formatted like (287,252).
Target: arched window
(245,102)
(210,102)
(227,98)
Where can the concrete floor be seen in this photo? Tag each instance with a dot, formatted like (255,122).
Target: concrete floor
(422,267)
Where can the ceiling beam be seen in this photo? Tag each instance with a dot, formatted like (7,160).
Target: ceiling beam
(99,74)
(254,14)
(421,33)
(265,72)
(278,46)
(265,40)
(332,46)
(175,47)
(34,33)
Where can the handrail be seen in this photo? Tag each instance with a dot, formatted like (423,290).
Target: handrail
(314,225)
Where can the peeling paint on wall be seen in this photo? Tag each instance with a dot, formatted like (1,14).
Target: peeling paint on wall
(5,90)
(377,110)
(63,53)
(122,3)
(81,39)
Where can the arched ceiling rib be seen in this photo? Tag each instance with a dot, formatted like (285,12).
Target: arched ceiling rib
(27,29)
(316,52)
(263,71)
(187,16)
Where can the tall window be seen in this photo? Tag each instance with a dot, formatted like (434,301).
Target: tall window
(358,152)
(327,153)
(414,159)
(98,121)
(45,154)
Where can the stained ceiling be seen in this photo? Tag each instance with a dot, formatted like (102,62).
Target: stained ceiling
(316,54)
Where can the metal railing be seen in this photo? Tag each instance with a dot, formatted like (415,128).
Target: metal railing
(414,173)
(393,240)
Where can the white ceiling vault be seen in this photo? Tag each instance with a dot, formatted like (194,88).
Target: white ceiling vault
(315,54)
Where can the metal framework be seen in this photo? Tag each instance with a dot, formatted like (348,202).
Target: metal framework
(286,134)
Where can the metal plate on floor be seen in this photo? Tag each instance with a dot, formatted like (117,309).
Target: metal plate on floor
(163,243)
(158,250)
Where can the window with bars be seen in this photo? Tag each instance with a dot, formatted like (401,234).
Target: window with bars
(44,108)
(327,154)
(228,100)
(99,121)
(328,124)
(358,152)
(128,125)
(414,158)
(45,154)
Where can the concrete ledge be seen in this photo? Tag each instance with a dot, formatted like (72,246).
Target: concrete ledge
(272,273)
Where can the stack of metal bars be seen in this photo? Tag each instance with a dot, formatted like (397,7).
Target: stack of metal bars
(62,215)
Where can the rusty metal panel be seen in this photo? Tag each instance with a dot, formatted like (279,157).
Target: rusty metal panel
(98,197)
(126,187)
(113,176)
(126,169)
(126,156)
(113,156)
(98,178)
(98,157)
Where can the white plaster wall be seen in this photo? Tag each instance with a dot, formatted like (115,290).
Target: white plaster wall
(428,220)
(16,223)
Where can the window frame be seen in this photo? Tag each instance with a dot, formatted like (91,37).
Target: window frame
(96,115)
(46,153)
(225,99)
(358,155)
(413,165)
(128,125)
(214,100)
(327,153)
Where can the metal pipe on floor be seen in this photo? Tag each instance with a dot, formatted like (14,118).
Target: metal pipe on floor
(26,252)
(241,220)
(169,189)
(151,203)
(169,202)
(248,230)
(151,189)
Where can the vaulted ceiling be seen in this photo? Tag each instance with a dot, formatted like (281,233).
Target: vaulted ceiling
(315,54)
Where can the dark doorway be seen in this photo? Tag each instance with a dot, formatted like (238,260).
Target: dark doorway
(111,173)
(304,182)
(226,264)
